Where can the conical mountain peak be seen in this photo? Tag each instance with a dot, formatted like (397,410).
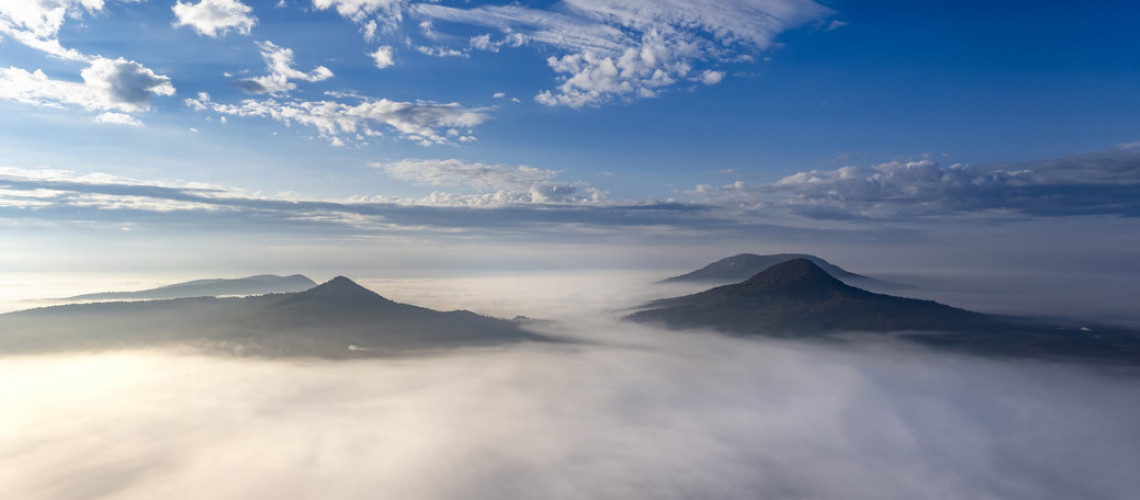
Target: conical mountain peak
(341,285)
(795,273)
(337,291)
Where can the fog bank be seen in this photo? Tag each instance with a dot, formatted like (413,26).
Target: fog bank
(637,413)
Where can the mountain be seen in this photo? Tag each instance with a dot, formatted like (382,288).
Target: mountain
(337,319)
(250,285)
(798,299)
(740,267)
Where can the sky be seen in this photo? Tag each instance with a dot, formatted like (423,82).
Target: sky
(378,136)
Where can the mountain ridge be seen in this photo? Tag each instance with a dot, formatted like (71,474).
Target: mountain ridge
(250,285)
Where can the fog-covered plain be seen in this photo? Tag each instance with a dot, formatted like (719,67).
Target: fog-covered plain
(628,412)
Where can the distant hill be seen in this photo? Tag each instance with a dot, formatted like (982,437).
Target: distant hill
(741,267)
(797,299)
(250,285)
(337,319)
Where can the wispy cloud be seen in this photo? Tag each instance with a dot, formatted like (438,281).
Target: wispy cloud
(386,13)
(629,49)
(423,122)
(279,61)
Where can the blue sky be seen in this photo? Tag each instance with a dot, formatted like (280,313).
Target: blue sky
(741,123)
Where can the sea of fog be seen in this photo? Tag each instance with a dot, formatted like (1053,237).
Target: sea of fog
(625,411)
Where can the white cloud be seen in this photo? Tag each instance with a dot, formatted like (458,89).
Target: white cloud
(499,95)
(423,122)
(836,24)
(383,57)
(710,77)
(630,49)
(128,84)
(388,13)
(215,17)
(36,23)
(118,119)
(439,51)
(108,85)
(506,183)
(279,60)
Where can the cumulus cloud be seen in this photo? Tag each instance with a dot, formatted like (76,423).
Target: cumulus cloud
(383,57)
(710,77)
(423,122)
(214,18)
(37,23)
(511,184)
(279,60)
(628,49)
(108,85)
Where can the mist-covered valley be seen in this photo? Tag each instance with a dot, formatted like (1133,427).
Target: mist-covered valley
(614,410)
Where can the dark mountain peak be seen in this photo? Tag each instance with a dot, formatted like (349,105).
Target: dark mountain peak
(742,266)
(800,275)
(342,286)
(337,291)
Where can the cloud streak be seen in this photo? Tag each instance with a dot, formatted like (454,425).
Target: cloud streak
(64,196)
(426,123)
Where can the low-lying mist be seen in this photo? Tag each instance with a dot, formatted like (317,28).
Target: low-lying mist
(628,412)
(657,415)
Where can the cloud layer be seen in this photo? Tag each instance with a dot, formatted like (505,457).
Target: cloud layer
(1101,183)
(66,196)
(639,414)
